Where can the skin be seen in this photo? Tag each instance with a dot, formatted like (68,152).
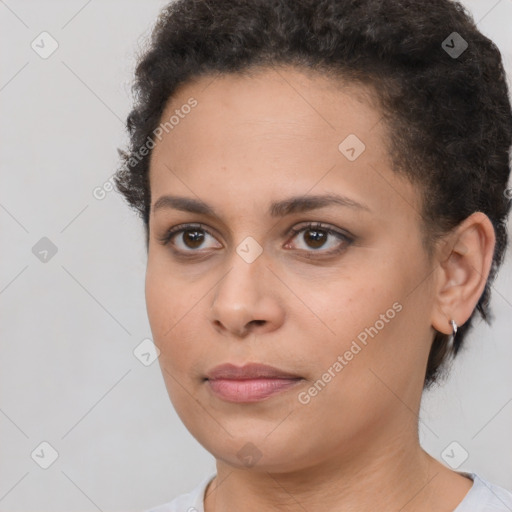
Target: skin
(252,140)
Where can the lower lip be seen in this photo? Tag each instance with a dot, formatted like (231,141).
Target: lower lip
(250,390)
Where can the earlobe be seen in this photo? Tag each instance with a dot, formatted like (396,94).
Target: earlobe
(464,263)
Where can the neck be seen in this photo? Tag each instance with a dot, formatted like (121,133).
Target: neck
(393,471)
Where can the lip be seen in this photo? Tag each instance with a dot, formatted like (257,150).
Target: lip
(249,371)
(252,382)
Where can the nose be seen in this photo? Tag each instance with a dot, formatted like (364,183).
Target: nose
(246,300)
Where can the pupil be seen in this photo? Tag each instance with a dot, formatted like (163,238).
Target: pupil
(196,238)
(318,237)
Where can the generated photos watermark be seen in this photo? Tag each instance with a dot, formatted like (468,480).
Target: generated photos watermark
(357,345)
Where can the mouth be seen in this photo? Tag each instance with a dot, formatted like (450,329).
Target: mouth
(249,383)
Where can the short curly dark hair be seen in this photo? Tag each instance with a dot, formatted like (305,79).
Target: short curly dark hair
(446,105)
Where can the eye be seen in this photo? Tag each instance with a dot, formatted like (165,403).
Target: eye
(191,237)
(317,236)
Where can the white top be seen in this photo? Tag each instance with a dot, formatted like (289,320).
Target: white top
(482,497)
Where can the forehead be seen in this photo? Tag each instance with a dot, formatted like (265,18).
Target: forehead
(268,133)
(278,102)
(273,106)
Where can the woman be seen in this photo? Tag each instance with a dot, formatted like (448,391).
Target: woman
(323,188)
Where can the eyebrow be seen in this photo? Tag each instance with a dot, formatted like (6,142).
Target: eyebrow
(281,208)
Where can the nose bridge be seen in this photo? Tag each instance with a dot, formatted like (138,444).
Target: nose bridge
(247,265)
(243,298)
(239,290)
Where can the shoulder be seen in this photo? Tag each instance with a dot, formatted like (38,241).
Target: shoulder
(485,497)
(189,502)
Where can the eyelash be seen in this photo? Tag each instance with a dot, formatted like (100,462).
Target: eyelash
(345,238)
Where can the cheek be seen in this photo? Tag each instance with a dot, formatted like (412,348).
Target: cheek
(171,306)
(345,380)
(161,307)
(376,337)
(344,307)
(365,325)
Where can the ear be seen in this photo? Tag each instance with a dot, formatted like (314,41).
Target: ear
(464,262)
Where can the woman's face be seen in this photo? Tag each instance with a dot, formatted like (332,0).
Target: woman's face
(348,312)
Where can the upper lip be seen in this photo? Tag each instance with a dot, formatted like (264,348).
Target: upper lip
(248,371)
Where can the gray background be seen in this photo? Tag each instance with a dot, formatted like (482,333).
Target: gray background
(70,325)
